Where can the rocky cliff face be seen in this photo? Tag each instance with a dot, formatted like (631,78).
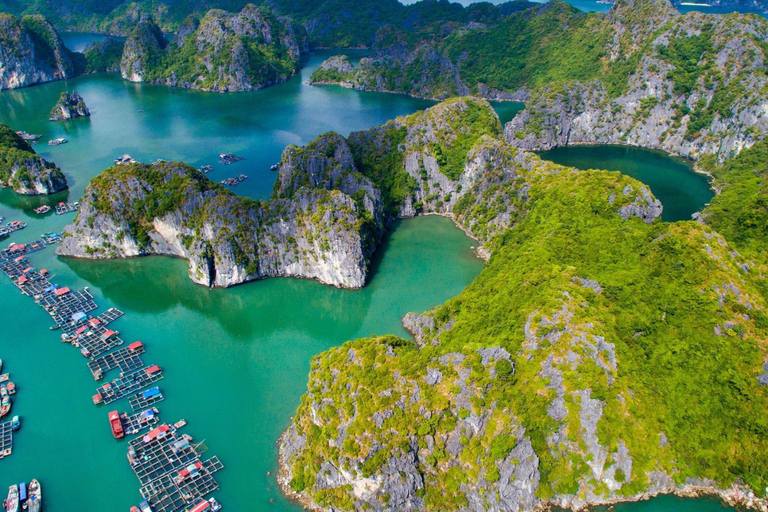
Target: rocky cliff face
(332,201)
(31,52)
(438,77)
(70,106)
(174,210)
(220,52)
(24,170)
(141,51)
(449,422)
(697,90)
(558,378)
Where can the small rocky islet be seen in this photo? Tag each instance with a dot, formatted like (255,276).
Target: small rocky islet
(70,106)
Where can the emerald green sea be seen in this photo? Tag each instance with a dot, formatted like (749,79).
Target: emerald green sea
(235,361)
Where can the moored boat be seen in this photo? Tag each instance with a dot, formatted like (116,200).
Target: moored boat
(144,506)
(116,424)
(57,142)
(15,423)
(28,136)
(35,499)
(12,502)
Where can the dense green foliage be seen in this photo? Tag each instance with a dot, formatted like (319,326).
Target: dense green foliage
(532,50)
(683,316)
(345,23)
(740,211)
(164,193)
(104,56)
(20,166)
(231,61)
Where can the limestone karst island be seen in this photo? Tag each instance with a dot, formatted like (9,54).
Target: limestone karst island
(384,255)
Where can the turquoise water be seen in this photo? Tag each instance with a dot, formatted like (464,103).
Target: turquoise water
(235,361)
(672,180)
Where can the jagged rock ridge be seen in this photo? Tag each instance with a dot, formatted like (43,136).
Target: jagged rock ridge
(331,205)
(31,52)
(172,209)
(559,377)
(220,52)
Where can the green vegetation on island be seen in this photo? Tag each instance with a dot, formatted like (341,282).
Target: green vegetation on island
(597,357)
(23,170)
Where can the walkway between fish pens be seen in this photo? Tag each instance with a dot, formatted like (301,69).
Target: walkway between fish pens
(172,475)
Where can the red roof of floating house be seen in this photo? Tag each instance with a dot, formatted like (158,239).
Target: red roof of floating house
(158,432)
(200,507)
(81,330)
(153,369)
(43,272)
(22,280)
(61,291)
(16,247)
(97,398)
(19,258)
(94,321)
(28,270)
(108,334)
(133,347)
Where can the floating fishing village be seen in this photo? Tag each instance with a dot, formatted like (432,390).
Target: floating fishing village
(172,474)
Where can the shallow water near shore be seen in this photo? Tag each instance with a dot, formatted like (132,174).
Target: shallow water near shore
(235,361)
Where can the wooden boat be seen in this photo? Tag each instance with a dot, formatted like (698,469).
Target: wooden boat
(15,423)
(12,502)
(35,500)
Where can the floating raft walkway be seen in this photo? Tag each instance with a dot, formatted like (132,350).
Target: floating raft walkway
(23,249)
(95,341)
(135,423)
(63,208)
(145,399)
(130,383)
(103,320)
(170,471)
(171,474)
(127,359)
(6,439)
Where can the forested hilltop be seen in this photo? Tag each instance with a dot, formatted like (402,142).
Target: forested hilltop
(601,355)
(329,23)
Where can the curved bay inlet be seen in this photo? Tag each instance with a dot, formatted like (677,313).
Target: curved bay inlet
(235,361)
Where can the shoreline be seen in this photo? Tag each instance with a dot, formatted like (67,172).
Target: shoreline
(737,497)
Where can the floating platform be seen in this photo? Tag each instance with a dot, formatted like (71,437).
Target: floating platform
(66,306)
(96,341)
(126,359)
(103,320)
(130,383)
(63,208)
(229,158)
(170,471)
(6,439)
(135,423)
(145,399)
